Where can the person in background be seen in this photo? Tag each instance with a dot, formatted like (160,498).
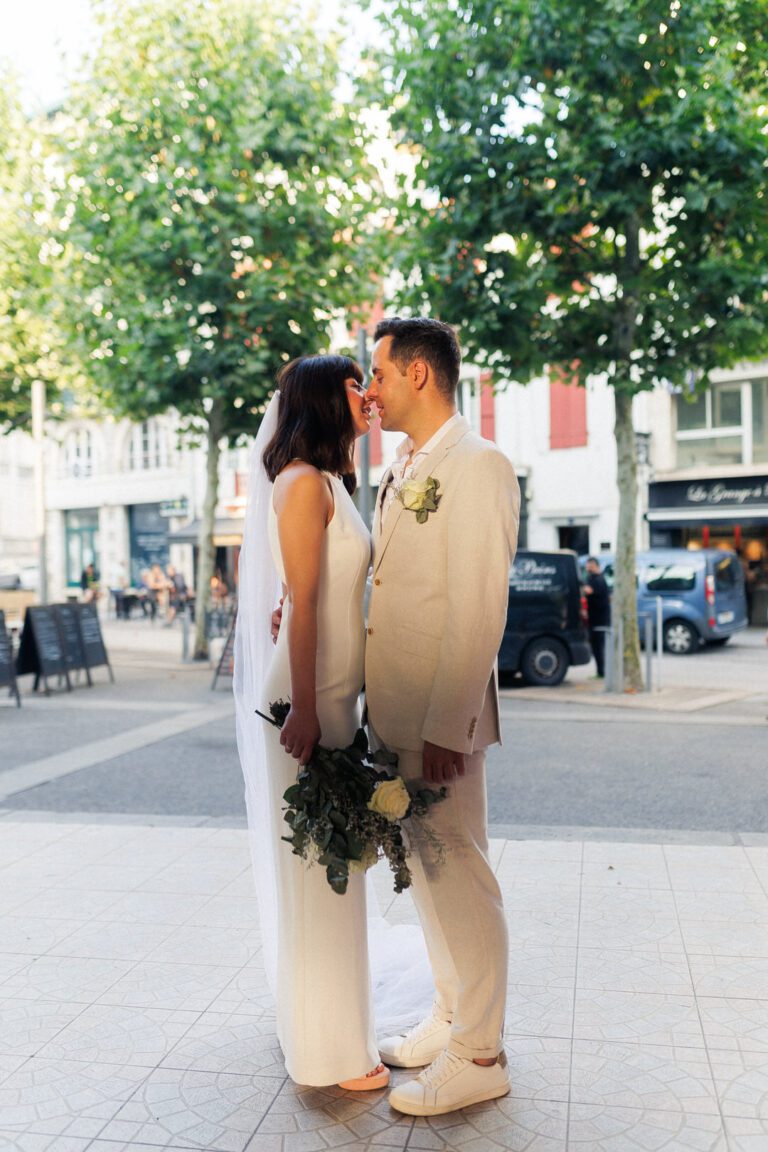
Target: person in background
(89,582)
(177,594)
(598,611)
(158,588)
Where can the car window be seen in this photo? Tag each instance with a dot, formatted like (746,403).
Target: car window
(725,574)
(670,577)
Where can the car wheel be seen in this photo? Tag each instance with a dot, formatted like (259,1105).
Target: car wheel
(544,663)
(680,638)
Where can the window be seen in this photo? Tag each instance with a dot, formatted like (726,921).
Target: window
(78,453)
(724,425)
(759,390)
(148,447)
(725,574)
(670,578)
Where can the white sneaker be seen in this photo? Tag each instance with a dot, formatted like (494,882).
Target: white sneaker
(451,1083)
(419,1046)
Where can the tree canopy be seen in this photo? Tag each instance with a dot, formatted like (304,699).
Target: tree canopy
(216,189)
(31,343)
(600,179)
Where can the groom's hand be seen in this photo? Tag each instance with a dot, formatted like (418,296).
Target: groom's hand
(441,764)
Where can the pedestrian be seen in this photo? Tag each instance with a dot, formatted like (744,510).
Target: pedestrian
(177,594)
(89,583)
(598,611)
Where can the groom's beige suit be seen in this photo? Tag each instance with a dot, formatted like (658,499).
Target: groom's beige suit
(436,619)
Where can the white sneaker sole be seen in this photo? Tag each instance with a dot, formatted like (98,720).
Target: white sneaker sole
(413,1109)
(414,1062)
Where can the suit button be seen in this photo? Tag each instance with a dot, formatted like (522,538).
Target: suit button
(370,631)
(377,582)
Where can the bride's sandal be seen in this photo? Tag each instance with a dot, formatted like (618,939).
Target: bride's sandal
(378,1078)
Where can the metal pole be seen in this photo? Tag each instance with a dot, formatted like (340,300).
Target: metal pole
(38,435)
(185,630)
(608,656)
(659,639)
(365,503)
(648,623)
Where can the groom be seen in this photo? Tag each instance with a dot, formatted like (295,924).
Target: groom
(445,532)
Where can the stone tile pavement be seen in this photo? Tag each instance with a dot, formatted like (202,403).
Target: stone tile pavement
(134,1012)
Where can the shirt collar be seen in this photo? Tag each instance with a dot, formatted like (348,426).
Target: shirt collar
(407,445)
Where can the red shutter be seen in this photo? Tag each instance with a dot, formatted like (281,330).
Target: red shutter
(567,411)
(487,407)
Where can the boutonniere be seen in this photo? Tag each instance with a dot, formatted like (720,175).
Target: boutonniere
(419,496)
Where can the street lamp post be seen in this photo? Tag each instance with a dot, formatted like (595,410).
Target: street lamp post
(365,447)
(38,436)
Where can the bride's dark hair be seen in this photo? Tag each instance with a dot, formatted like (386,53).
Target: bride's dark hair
(314,421)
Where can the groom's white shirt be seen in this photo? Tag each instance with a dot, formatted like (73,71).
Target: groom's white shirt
(405,469)
(439,598)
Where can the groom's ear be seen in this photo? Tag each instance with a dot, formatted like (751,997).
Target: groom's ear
(418,372)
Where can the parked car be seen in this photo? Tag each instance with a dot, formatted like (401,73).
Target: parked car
(702,594)
(546,618)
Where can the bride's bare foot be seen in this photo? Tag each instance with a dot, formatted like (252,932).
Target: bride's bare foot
(377,1078)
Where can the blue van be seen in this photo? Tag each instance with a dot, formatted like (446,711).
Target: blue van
(702,593)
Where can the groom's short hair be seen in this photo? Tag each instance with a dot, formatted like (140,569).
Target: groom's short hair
(420,338)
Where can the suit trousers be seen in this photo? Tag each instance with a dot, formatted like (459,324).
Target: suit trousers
(461,911)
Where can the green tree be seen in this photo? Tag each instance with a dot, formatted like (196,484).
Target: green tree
(216,200)
(31,342)
(597,179)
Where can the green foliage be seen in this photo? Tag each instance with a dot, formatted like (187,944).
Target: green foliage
(330,816)
(597,176)
(215,204)
(31,344)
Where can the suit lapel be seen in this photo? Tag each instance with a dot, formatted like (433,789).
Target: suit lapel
(383,533)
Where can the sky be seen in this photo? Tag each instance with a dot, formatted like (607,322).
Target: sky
(44,38)
(34,35)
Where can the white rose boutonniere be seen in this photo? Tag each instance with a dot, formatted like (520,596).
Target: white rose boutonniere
(419,496)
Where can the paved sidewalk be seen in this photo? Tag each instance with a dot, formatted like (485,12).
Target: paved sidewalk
(134,1012)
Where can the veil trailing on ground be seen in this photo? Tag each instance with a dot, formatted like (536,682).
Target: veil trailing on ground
(400,972)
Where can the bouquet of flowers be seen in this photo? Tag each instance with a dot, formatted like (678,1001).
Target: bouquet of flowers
(346,807)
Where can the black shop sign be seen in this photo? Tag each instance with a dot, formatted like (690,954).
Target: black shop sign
(735,493)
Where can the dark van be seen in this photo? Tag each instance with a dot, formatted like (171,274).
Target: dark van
(546,626)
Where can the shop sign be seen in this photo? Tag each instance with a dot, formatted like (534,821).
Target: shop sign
(734,492)
(178,507)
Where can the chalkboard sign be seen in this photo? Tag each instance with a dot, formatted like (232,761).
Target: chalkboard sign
(92,639)
(68,621)
(7,669)
(226,665)
(41,650)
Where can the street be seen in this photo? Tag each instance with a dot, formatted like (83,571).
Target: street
(691,760)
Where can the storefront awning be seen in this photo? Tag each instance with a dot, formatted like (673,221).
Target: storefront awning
(707,515)
(227,532)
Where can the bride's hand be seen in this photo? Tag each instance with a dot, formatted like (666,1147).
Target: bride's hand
(300,733)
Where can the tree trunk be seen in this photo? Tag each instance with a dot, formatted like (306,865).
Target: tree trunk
(625,589)
(206,552)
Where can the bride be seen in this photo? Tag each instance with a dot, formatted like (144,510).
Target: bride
(304,540)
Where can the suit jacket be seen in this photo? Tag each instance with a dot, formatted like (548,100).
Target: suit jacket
(439,601)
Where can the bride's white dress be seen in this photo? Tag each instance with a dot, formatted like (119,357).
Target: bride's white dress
(325,1021)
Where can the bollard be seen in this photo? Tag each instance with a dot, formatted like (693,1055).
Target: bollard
(659,639)
(648,624)
(184,636)
(608,657)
